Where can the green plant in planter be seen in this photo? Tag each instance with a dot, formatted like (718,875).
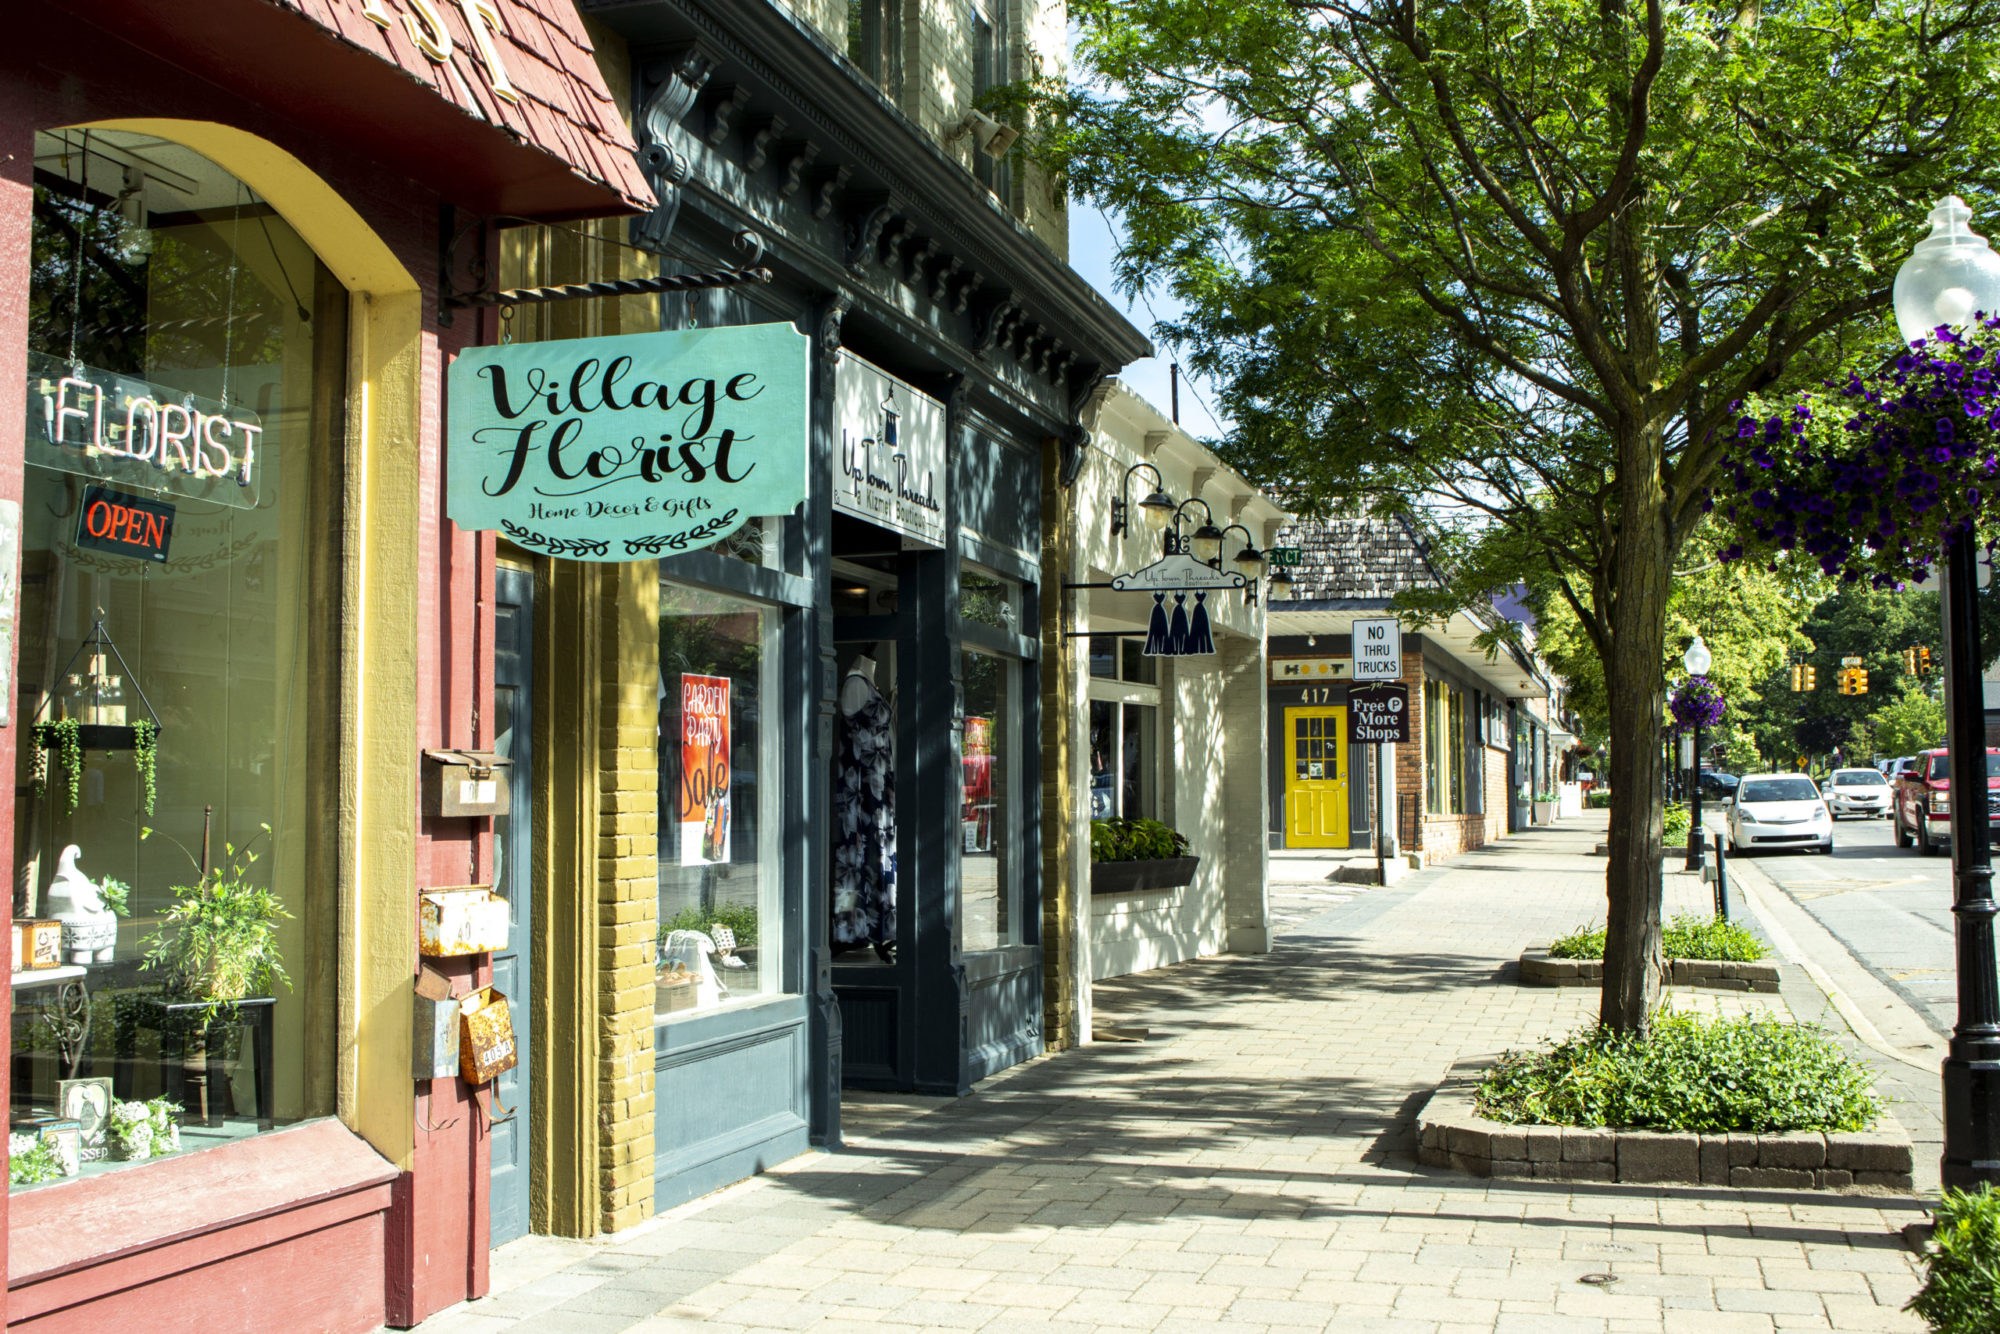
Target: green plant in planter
(1549,795)
(219,942)
(1961,1289)
(1119,840)
(740,918)
(31,1161)
(116,895)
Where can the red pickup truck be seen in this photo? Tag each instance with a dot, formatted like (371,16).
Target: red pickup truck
(1921,809)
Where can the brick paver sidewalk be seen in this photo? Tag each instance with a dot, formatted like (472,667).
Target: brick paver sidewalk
(1247,1167)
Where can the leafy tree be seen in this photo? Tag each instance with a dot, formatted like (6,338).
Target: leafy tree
(1910,722)
(1526,255)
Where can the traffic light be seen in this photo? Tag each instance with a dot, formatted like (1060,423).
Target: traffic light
(1843,680)
(1923,660)
(1909,662)
(1798,678)
(1811,677)
(1859,677)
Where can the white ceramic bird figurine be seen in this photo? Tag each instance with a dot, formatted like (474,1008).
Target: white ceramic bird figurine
(89,929)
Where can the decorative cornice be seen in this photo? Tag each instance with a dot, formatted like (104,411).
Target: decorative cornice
(885,153)
(678,82)
(865,236)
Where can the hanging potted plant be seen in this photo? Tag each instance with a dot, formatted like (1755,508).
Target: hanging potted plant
(94,716)
(1132,856)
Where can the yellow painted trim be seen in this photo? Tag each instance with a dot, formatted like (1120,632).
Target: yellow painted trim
(379,649)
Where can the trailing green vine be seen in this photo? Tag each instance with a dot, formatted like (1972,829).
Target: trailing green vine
(68,734)
(146,758)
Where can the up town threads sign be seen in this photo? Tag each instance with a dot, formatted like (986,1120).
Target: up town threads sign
(631,447)
(891,469)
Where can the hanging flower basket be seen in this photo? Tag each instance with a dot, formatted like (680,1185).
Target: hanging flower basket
(1872,476)
(1696,703)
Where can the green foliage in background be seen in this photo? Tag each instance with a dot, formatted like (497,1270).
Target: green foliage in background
(1686,1073)
(740,918)
(1961,1292)
(1134,841)
(1674,824)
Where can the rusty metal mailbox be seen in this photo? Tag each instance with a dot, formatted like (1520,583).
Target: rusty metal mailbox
(465,783)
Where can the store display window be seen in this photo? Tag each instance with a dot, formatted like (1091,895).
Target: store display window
(989,885)
(172,890)
(1124,730)
(720,872)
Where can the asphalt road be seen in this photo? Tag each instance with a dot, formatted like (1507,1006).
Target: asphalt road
(1888,906)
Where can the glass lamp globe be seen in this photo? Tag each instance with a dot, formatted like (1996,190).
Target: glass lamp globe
(1207,543)
(1697,660)
(1159,508)
(1950,276)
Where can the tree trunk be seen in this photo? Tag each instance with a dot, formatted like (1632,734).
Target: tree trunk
(1639,578)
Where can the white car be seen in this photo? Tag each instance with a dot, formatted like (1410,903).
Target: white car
(1862,792)
(1779,811)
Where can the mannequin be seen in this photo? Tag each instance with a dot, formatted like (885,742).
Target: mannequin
(864,833)
(858,686)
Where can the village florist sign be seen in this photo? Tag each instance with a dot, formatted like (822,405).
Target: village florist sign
(629,447)
(890,469)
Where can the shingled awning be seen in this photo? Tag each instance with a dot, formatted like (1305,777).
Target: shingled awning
(558,148)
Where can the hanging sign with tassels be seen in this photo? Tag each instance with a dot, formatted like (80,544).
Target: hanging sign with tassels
(1178,630)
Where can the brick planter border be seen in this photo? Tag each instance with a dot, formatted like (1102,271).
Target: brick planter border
(1450,1133)
(1539,970)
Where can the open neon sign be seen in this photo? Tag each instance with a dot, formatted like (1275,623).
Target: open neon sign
(111,427)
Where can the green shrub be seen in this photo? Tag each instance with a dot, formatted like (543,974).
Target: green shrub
(738,917)
(1686,1073)
(1685,937)
(1961,1292)
(1583,943)
(1674,825)
(1690,937)
(1134,841)
(1598,799)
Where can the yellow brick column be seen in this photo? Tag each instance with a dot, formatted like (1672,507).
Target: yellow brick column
(596,710)
(1062,915)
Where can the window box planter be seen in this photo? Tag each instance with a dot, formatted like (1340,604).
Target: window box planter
(1545,812)
(1137,877)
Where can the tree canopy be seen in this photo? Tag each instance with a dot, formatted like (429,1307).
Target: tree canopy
(1526,256)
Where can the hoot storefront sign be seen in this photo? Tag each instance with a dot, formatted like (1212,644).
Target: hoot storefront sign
(630,447)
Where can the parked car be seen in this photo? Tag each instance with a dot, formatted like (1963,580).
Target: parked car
(1718,785)
(1779,811)
(1862,792)
(1922,801)
(1896,768)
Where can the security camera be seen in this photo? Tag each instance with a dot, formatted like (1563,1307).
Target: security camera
(992,137)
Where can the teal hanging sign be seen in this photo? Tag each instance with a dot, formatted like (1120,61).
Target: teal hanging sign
(630,447)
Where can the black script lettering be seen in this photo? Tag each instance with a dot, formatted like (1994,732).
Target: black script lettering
(577,378)
(746,378)
(523,445)
(566,432)
(700,395)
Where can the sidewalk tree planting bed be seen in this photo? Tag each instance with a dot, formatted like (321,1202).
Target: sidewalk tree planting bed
(1700,952)
(1724,1102)
(1134,856)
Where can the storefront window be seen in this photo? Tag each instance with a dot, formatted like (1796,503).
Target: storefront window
(721,887)
(1124,765)
(988,818)
(1445,707)
(989,601)
(184,382)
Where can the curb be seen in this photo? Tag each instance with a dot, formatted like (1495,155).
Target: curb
(1540,970)
(1452,1134)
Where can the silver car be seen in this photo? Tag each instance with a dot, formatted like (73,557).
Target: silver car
(1862,792)
(1779,811)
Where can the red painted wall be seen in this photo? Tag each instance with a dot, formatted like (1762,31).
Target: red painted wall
(429,1240)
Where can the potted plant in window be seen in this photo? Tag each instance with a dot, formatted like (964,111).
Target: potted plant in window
(1130,856)
(218,944)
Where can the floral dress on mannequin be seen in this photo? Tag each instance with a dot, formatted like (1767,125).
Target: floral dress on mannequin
(864,833)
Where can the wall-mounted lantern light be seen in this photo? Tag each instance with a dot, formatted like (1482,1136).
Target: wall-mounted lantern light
(1158,505)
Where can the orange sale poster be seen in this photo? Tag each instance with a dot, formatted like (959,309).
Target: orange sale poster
(704,797)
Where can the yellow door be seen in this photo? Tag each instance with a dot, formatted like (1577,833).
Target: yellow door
(1316,778)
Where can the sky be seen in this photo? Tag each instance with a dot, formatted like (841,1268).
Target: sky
(1091,251)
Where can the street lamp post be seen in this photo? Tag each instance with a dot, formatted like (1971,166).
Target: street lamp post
(1697,661)
(1949,277)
